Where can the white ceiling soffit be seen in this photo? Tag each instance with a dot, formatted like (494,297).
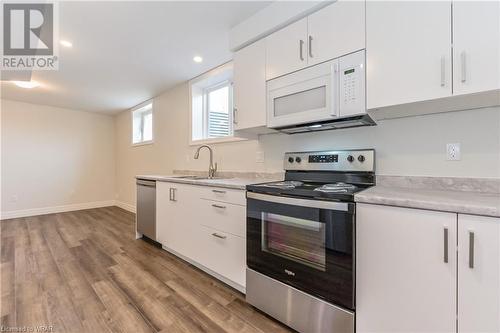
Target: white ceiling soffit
(126,52)
(270,19)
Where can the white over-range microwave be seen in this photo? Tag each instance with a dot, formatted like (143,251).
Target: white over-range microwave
(325,96)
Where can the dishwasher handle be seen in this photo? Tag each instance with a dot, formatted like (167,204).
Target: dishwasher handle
(150,183)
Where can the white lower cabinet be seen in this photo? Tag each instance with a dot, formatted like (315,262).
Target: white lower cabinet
(478,274)
(415,268)
(224,253)
(404,282)
(206,226)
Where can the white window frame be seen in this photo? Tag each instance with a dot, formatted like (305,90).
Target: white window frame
(205,83)
(138,108)
(206,92)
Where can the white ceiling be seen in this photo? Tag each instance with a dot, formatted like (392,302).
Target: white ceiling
(127,52)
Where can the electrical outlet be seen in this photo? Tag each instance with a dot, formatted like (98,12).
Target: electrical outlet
(453,152)
(259,157)
(14,198)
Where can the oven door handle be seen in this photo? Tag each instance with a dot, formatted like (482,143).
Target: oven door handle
(330,205)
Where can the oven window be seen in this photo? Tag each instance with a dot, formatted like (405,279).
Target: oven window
(300,240)
(299,102)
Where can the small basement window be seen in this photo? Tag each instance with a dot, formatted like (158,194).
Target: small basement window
(212,105)
(142,124)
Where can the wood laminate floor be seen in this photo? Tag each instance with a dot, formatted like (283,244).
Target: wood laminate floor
(84,272)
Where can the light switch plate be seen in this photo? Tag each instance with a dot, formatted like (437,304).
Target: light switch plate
(453,152)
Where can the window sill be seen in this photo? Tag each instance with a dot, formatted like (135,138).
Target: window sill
(144,143)
(215,141)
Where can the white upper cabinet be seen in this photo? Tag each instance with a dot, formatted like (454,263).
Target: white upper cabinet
(408,47)
(478,274)
(406,265)
(476,44)
(286,50)
(250,86)
(336,30)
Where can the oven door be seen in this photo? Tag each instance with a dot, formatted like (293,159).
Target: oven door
(307,244)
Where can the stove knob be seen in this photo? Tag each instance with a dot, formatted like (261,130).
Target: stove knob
(290,159)
(361,158)
(350,158)
(298,159)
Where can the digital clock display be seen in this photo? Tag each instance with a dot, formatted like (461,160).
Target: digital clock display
(323,158)
(349,71)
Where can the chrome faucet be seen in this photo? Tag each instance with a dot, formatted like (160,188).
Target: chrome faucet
(211,168)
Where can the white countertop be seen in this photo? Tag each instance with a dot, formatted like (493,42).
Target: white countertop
(234,183)
(475,203)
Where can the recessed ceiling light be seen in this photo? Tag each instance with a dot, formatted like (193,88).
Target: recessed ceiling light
(26,84)
(65,43)
(197,59)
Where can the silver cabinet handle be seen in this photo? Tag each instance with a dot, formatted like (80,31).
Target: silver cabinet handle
(172,194)
(310,47)
(219,191)
(219,206)
(463,62)
(471,249)
(443,71)
(234,115)
(301,50)
(219,236)
(445,249)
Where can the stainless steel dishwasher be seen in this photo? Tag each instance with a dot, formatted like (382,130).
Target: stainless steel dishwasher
(146,208)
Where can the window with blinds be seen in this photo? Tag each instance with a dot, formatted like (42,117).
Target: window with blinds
(218,111)
(212,105)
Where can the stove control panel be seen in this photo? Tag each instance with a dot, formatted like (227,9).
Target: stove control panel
(342,160)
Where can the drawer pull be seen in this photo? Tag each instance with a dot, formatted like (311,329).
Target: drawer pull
(219,191)
(219,236)
(445,243)
(471,249)
(219,206)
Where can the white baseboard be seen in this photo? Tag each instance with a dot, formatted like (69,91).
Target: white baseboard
(126,206)
(56,209)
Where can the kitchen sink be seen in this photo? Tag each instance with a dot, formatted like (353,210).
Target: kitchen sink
(198,177)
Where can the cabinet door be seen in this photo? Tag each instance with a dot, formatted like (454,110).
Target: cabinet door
(408,48)
(336,30)
(405,273)
(177,218)
(478,274)
(286,50)
(476,44)
(250,86)
(164,212)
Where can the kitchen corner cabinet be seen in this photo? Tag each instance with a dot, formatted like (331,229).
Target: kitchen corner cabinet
(478,274)
(476,46)
(250,87)
(405,273)
(416,267)
(408,50)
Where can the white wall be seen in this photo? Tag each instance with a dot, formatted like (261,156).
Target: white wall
(407,146)
(53,157)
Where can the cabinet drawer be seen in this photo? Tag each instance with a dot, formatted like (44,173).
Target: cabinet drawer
(223,216)
(224,253)
(236,197)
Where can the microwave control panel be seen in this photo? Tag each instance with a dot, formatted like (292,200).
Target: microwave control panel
(352,84)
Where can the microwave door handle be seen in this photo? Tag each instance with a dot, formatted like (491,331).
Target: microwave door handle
(334,99)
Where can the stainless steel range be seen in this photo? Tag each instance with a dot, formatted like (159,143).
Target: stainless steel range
(301,240)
